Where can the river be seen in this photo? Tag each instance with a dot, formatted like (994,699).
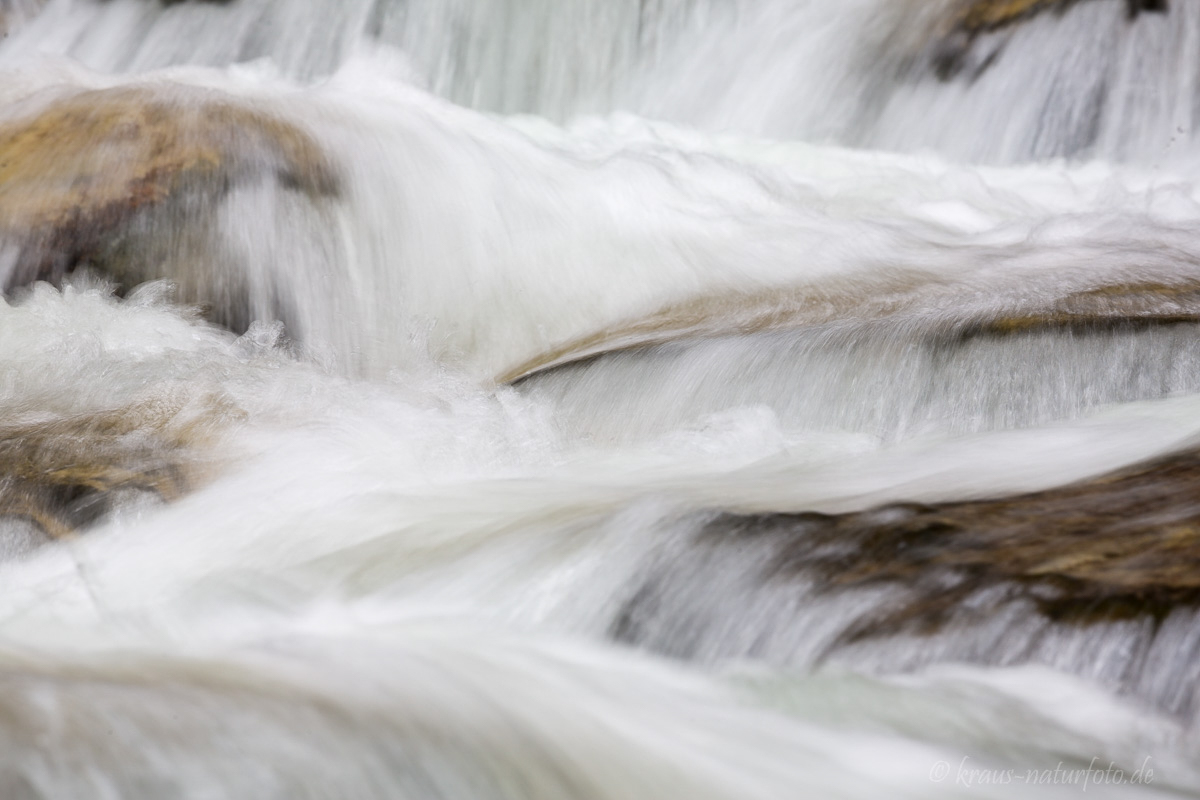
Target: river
(518,361)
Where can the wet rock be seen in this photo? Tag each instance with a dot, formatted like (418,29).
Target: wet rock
(1126,545)
(975,17)
(1116,307)
(66,474)
(125,181)
(1107,308)
(1100,578)
(980,15)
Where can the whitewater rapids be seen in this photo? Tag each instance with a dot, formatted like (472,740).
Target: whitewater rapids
(427,508)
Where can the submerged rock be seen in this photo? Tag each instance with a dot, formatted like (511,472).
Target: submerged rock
(1120,546)
(988,14)
(124,180)
(975,17)
(1116,306)
(939,320)
(65,474)
(979,15)
(1100,578)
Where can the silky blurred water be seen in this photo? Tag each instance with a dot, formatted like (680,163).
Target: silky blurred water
(402,573)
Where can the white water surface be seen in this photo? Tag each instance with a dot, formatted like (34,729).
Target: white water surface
(399,578)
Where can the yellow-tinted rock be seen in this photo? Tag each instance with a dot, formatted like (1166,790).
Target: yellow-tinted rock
(987,14)
(968,19)
(62,474)
(75,172)
(980,15)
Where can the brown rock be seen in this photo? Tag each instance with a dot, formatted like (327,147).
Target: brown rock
(1112,307)
(1108,307)
(980,15)
(77,176)
(66,473)
(1122,546)
(972,18)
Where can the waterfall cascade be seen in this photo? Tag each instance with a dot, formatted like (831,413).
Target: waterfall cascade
(599,398)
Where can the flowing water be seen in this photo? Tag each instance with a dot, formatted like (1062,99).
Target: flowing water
(586,286)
